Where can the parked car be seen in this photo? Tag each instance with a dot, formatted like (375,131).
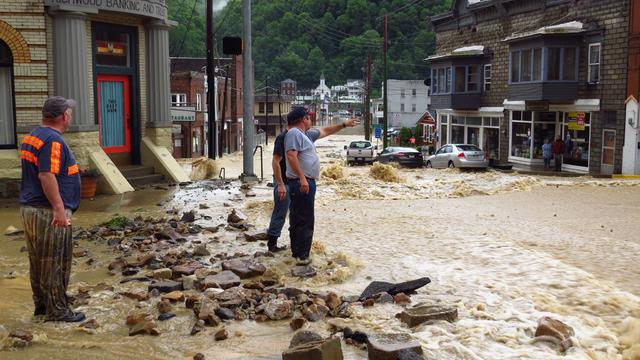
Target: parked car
(402,155)
(361,152)
(458,155)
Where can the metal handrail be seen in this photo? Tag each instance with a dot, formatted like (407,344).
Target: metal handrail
(223,174)
(261,162)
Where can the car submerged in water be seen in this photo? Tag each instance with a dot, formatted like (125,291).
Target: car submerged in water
(404,156)
(458,155)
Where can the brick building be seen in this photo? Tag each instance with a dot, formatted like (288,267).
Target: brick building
(113,59)
(508,75)
(272,106)
(188,98)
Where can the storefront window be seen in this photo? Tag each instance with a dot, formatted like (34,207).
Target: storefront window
(491,142)
(473,135)
(112,48)
(457,134)
(542,132)
(576,138)
(521,139)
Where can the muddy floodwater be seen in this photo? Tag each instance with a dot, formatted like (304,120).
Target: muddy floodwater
(504,249)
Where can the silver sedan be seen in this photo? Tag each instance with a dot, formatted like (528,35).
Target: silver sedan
(458,155)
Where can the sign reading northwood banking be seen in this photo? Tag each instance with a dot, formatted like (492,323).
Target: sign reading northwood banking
(152,8)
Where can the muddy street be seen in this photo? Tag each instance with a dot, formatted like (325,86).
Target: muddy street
(502,249)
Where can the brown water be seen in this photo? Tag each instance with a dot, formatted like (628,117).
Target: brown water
(505,249)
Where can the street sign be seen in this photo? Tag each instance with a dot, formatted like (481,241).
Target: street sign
(378,133)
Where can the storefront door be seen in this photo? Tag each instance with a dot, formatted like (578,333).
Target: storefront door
(114,114)
(7,118)
(473,135)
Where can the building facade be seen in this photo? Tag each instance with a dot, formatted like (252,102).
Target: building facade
(631,150)
(112,58)
(188,107)
(271,110)
(509,75)
(407,100)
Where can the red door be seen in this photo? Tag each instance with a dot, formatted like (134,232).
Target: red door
(114,113)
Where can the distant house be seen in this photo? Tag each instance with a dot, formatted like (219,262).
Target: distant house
(407,101)
(322,91)
(271,108)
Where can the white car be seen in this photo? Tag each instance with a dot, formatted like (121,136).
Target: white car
(458,155)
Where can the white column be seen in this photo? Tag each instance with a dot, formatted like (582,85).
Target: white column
(158,73)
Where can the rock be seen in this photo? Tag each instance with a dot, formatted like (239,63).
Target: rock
(291,293)
(250,194)
(23,335)
(368,303)
(315,312)
(384,298)
(333,301)
(222,334)
(198,356)
(197,327)
(203,206)
(187,269)
(402,298)
(189,282)
(12,231)
(90,324)
(192,300)
(164,306)
(188,217)
(223,280)
(166,234)
(80,253)
(278,309)
(255,285)
(357,336)
(303,271)
(165,286)
(256,235)
(418,315)
(207,313)
(318,350)
(303,337)
(377,287)
(343,311)
(387,346)
(244,268)
(408,354)
(225,314)
(166,316)
(130,270)
(136,294)
(236,216)
(234,293)
(297,323)
(142,323)
(549,327)
(201,250)
(173,296)
(164,273)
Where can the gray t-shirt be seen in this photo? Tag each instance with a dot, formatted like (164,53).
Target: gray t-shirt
(307,156)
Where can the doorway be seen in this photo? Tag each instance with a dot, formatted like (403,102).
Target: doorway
(114,115)
(7,105)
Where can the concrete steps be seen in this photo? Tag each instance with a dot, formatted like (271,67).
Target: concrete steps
(139,175)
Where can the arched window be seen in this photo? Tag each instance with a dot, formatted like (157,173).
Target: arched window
(7,113)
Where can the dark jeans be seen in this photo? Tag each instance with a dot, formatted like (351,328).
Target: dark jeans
(301,218)
(279,213)
(547,162)
(558,158)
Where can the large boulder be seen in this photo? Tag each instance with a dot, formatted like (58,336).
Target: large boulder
(555,329)
(223,280)
(330,349)
(166,286)
(406,287)
(388,346)
(244,268)
(418,315)
(186,269)
(256,235)
(303,337)
(142,323)
(236,216)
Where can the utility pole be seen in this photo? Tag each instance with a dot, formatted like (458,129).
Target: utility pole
(224,112)
(367,110)
(211,94)
(266,111)
(280,110)
(247,91)
(385,117)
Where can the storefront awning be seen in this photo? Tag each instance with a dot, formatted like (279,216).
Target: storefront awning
(578,105)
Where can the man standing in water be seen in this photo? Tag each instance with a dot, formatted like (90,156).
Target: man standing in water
(303,169)
(49,193)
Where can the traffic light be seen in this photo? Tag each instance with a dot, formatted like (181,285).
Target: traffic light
(232,45)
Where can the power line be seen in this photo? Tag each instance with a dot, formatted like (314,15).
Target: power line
(188,27)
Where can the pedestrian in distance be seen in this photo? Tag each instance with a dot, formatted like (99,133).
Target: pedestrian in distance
(49,194)
(303,169)
(558,148)
(546,154)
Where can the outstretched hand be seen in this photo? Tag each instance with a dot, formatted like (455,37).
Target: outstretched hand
(351,122)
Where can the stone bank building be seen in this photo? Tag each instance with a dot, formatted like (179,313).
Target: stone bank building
(509,74)
(112,57)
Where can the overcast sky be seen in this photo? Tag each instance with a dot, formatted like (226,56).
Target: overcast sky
(219,4)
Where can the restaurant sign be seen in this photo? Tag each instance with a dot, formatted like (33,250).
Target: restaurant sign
(183,114)
(151,8)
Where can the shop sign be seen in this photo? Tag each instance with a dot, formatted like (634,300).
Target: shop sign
(183,114)
(536,105)
(576,120)
(151,8)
